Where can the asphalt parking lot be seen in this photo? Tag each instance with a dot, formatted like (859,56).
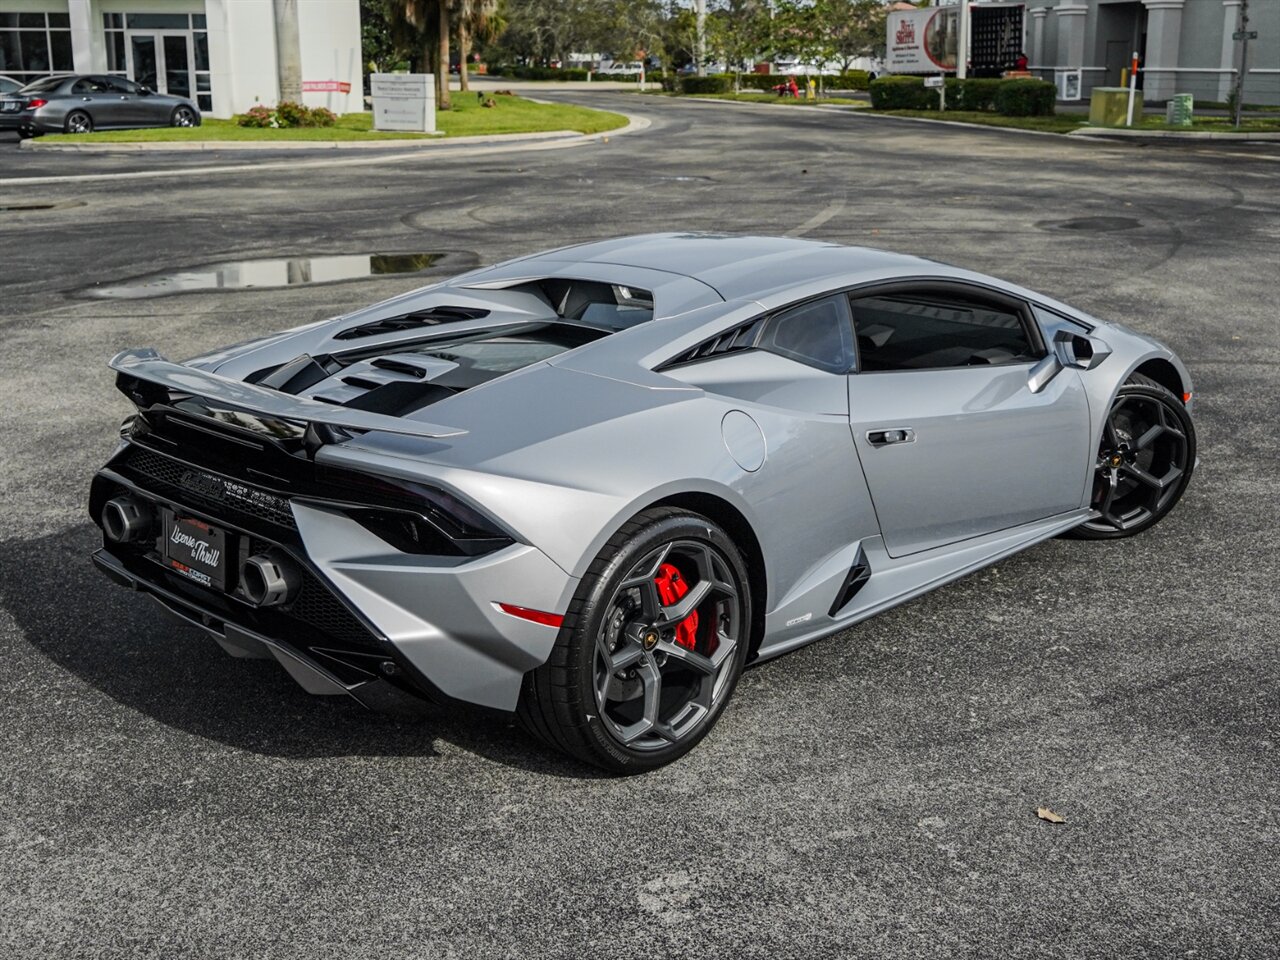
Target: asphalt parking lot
(872,795)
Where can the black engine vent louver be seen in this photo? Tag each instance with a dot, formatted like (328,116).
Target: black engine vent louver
(742,337)
(407,321)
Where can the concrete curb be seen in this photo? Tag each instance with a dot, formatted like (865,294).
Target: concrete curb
(440,148)
(1172,134)
(181,146)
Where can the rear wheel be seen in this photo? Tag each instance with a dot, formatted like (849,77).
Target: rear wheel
(78,122)
(184,117)
(1144,463)
(650,649)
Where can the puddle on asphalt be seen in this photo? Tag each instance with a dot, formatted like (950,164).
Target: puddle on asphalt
(276,272)
(1091,224)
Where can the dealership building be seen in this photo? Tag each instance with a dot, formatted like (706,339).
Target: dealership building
(1185,46)
(220,53)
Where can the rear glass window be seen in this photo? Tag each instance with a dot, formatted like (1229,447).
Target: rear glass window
(45,85)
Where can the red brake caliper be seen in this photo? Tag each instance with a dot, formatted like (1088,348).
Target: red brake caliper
(671,587)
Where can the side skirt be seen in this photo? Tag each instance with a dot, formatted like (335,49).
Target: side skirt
(895,581)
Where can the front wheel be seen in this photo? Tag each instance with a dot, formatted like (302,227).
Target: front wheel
(78,122)
(650,649)
(184,117)
(1144,463)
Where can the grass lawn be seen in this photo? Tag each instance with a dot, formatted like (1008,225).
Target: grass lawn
(466,119)
(1059,123)
(1065,123)
(1218,125)
(755,96)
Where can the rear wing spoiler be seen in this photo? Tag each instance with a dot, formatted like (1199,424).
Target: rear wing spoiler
(149,366)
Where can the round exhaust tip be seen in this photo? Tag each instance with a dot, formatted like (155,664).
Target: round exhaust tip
(126,519)
(269,579)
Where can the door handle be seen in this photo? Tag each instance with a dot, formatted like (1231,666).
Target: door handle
(887,435)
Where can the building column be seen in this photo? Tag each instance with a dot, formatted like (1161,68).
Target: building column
(1230,23)
(1164,37)
(1037,35)
(88,49)
(1071,18)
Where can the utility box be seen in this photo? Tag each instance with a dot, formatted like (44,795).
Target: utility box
(1068,84)
(1109,106)
(1180,110)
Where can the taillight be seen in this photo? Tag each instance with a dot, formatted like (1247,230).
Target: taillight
(36,104)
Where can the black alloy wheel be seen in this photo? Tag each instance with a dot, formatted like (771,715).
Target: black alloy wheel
(183,117)
(78,122)
(650,649)
(1144,462)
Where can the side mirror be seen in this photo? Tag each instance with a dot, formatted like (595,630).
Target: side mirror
(1079,351)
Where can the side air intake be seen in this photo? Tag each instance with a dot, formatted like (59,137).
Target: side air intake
(742,337)
(854,581)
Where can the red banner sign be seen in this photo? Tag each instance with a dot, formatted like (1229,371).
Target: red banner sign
(325,86)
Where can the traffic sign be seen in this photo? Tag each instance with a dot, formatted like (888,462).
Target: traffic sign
(1245,35)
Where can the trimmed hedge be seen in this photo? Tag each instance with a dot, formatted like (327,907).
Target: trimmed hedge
(975,94)
(717,84)
(902,93)
(852,80)
(1012,98)
(1025,98)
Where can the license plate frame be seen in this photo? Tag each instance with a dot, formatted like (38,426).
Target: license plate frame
(196,550)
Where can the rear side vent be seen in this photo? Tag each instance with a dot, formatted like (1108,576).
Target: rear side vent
(854,581)
(407,321)
(742,337)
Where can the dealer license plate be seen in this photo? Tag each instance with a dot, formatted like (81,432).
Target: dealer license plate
(10,106)
(196,550)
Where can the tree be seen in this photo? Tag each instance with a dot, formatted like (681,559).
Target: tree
(857,28)
(425,23)
(476,19)
(288,50)
(739,31)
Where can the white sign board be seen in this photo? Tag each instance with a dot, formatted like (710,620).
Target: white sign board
(922,41)
(937,80)
(404,101)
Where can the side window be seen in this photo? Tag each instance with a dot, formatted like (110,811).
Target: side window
(909,330)
(814,333)
(121,85)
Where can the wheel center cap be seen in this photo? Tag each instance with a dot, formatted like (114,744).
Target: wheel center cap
(1116,459)
(649,639)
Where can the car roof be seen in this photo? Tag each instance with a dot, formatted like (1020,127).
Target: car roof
(736,266)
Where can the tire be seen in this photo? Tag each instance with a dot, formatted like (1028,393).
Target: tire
(1144,463)
(669,674)
(78,122)
(25,134)
(184,117)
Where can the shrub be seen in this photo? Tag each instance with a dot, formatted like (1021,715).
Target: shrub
(258,116)
(902,93)
(1025,98)
(290,114)
(975,94)
(322,117)
(853,80)
(720,84)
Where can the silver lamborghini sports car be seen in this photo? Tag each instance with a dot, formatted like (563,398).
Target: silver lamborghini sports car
(591,485)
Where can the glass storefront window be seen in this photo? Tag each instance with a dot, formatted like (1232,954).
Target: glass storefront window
(157,21)
(34,44)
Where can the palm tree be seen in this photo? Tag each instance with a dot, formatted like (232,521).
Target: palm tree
(288,50)
(476,18)
(430,21)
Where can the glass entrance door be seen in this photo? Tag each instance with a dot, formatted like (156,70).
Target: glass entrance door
(162,61)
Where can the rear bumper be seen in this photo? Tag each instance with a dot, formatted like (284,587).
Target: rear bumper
(369,620)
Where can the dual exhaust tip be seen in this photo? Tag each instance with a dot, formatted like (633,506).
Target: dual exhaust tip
(266,579)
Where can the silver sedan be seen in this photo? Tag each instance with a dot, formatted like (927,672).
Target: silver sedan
(82,104)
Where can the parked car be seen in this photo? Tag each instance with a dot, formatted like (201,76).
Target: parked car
(590,486)
(84,103)
(9,85)
(625,68)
